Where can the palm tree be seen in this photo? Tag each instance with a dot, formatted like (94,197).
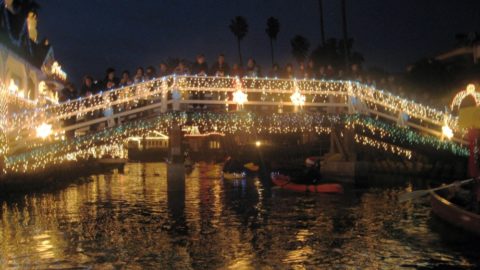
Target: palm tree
(322,26)
(300,46)
(345,35)
(273,27)
(239,28)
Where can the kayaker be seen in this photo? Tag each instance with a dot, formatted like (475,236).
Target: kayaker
(312,175)
(232,165)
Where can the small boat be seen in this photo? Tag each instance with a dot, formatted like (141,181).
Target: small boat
(454,214)
(286,183)
(251,167)
(234,175)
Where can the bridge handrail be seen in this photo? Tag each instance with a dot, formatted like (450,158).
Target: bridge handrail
(147,89)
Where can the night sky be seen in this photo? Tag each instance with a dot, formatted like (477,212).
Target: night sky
(89,36)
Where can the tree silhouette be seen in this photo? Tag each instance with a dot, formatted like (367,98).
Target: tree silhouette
(345,34)
(322,26)
(273,27)
(239,28)
(333,53)
(300,46)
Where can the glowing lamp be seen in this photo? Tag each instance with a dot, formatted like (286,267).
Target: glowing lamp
(297,99)
(12,87)
(44,130)
(240,97)
(470,88)
(447,132)
(258,143)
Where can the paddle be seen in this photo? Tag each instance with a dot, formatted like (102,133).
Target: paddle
(422,192)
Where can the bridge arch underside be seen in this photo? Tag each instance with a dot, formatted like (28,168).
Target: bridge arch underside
(368,134)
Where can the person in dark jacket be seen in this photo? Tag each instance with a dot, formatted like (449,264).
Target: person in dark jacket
(252,70)
(164,71)
(125,79)
(275,72)
(200,66)
(150,74)
(111,81)
(88,89)
(311,175)
(69,93)
(237,71)
(220,68)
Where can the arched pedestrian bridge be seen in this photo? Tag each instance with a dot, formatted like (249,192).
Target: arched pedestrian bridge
(35,139)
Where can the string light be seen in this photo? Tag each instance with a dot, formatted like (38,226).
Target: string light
(44,130)
(297,98)
(54,149)
(460,96)
(447,132)
(371,132)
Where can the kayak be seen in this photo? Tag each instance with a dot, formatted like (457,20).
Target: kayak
(251,167)
(454,214)
(285,183)
(233,176)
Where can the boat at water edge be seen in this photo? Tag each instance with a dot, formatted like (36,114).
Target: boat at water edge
(285,182)
(454,214)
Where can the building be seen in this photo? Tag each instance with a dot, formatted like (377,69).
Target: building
(153,147)
(28,69)
(204,146)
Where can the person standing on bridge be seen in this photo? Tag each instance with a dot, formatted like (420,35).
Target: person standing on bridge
(88,89)
(253,70)
(199,68)
(139,76)
(220,68)
(151,73)
(111,81)
(69,93)
(310,71)
(289,73)
(164,71)
(181,68)
(275,72)
(125,79)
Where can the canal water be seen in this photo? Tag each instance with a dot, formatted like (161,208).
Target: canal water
(142,220)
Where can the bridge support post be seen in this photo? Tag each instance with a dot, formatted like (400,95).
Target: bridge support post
(176,194)
(342,142)
(175,143)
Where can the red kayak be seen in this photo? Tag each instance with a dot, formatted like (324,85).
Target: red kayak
(285,183)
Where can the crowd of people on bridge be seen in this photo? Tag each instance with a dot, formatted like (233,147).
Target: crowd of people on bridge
(221,67)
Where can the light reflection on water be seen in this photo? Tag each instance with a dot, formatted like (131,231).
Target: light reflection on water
(142,220)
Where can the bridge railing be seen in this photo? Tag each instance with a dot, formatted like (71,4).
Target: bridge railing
(179,92)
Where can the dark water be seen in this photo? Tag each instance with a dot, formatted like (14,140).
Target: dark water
(141,220)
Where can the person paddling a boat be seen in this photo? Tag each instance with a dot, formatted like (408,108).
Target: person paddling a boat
(232,165)
(467,196)
(311,174)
